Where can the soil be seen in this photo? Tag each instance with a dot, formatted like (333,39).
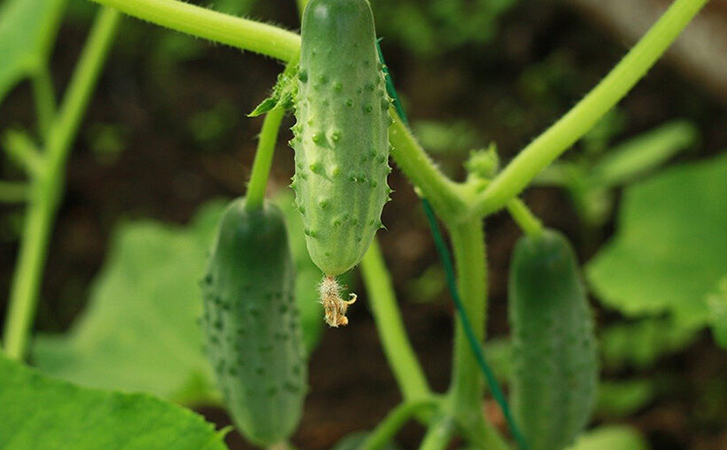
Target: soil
(165,171)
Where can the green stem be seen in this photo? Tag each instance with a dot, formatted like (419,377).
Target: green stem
(571,127)
(218,27)
(263,159)
(443,193)
(439,434)
(525,219)
(45,100)
(398,349)
(466,391)
(392,423)
(47,185)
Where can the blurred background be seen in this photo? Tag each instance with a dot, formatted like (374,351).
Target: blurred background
(167,132)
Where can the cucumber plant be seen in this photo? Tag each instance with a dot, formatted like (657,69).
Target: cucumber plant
(347,124)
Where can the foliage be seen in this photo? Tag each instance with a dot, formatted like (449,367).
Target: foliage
(55,415)
(27,31)
(668,253)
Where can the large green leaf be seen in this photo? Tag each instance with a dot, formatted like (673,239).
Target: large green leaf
(140,331)
(41,413)
(670,249)
(27,31)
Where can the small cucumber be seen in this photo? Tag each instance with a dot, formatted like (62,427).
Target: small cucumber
(252,325)
(554,348)
(341,135)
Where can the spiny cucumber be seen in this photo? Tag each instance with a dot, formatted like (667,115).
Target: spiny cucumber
(252,325)
(554,351)
(341,140)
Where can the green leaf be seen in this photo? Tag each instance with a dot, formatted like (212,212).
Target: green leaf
(624,398)
(644,153)
(640,344)
(670,249)
(283,95)
(47,414)
(27,31)
(611,437)
(140,331)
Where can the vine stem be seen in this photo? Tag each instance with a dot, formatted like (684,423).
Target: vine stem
(45,100)
(218,27)
(397,418)
(468,247)
(526,220)
(47,185)
(439,434)
(387,316)
(579,120)
(263,159)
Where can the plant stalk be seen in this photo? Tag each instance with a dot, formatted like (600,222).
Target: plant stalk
(579,120)
(48,183)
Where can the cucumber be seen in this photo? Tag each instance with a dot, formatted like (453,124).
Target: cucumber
(253,333)
(555,369)
(341,135)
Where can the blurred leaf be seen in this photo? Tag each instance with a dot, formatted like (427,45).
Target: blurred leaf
(47,414)
(27,31)
(670,249)
(140,331)
(640,344)
(644,153)
(624,398)
(427,287)
(611,437)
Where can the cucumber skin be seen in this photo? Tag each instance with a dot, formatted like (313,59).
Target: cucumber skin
(555,369)
(341,135)
(253,333)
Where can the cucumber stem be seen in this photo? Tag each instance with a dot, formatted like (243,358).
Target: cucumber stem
(579,120)
(525,219)
(47,185)
(397,348)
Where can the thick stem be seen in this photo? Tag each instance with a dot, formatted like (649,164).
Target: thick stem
(48,184)
(397,348)
(466,390)
(439,435)
(218,27)
(579,120)
(443,193)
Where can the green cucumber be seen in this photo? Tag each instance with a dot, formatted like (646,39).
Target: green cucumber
(555,370)
(252,325)
(341,135)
